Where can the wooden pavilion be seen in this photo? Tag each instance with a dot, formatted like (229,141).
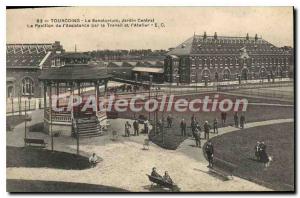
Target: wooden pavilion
(71,80)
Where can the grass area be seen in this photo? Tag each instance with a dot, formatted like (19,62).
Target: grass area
(13,185)
(41,158)
(253,114)
(238,148)
(14,120)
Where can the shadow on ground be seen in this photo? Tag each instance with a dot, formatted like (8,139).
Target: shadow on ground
(36,158)
(13,185)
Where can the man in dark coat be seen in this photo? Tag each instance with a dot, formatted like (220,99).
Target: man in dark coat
(136,127)
(169,120)
(216,126)
(206,130)
(183,127)
(223,117)
(242,121)
(155,174)
(236,119)
(209,150)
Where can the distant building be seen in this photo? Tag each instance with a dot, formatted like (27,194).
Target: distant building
(24,63)
(211,58)
(137,70)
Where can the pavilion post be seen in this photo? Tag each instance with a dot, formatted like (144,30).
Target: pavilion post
(78,85)
(57,94)
(45,102)
(50,116)
(97,96)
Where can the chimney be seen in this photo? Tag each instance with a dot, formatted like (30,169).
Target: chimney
(204,35)
(247,36)
(256,38)
(215,36)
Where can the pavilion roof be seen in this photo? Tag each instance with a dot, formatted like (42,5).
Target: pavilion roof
(68,73)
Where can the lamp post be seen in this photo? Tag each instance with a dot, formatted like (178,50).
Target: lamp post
(136,75)
(150,84)
(26,119)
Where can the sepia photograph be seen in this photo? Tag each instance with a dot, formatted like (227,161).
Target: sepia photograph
(150,99)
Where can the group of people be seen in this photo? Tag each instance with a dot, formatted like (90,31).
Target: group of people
(165,178)
(136,128)
(261,153)
(239,122)
(196,129)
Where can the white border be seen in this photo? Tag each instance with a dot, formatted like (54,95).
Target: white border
(5,3)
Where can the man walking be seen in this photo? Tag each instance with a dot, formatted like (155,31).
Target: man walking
(209,150)
(183,127)
(206,130)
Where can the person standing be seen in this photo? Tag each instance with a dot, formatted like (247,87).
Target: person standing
(216,126)
(242,121)
(206,130)
(223,117)
(257,151)
(197,137)
(136,127)
(236,119)
(127,127)
(146,126)
(209,150)
(169,120)
(183,127)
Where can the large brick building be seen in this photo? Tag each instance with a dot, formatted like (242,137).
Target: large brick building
(211,58)
(24,63)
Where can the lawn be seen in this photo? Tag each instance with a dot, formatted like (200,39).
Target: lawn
(14,120)
(238,148)
(42,158)
(13,185)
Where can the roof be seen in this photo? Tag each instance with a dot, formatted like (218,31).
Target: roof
(149,69)
(198,44)
(74,73)
(29,55)
(182,49)
(73,55)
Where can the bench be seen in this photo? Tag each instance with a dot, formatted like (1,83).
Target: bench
(146,144)
(162,183)
(223,168)
(35,142)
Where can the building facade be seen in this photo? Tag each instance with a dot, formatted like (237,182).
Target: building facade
(24,63)
(223,58)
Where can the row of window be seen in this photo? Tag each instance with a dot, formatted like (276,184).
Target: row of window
(229,41)
(236,61)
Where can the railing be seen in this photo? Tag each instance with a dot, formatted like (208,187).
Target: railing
(58,116)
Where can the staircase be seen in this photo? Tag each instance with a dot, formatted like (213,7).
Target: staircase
(88,127)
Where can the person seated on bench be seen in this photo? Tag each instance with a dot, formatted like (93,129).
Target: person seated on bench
(93,160)
(167,178)
(155,174)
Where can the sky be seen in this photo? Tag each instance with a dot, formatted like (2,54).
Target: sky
(274,24)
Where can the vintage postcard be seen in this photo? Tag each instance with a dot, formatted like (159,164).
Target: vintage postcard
(150,99)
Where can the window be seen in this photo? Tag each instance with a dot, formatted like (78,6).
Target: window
(27,86)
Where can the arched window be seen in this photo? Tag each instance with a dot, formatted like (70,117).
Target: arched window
(226,74)
(27,86)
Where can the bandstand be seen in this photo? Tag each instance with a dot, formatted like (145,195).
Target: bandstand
(66,83)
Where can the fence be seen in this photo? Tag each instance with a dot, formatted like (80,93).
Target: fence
(16,106)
